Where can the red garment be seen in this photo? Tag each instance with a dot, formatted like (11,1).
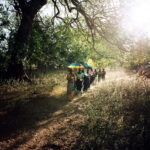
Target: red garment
(103,72)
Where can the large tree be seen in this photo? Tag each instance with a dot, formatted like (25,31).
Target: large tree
(95,13)
(27,9)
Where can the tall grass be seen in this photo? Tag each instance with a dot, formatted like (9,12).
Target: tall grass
(14,92)
(39,81)
(118,117)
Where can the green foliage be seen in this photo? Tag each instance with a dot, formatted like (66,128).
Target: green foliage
(106,55)
(133,61)
(4,21)
(56,46)
(138,55)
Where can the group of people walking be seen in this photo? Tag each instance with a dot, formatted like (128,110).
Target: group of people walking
(82,80)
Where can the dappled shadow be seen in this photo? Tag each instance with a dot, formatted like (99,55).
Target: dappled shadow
(146,132)
(134,134)
(46,121)
(64,132)
(26,115)
(64,129)
(33,114)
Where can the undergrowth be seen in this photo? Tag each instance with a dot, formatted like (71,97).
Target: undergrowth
(15,92)
(49,79)
(118,117)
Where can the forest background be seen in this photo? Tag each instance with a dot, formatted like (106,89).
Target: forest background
(55,41)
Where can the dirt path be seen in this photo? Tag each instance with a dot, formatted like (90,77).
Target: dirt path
(57,128)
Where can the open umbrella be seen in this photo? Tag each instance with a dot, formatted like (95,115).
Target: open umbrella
(86,65)
(76,65)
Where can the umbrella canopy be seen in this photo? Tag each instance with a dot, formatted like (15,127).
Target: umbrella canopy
(86,65)
(76,65)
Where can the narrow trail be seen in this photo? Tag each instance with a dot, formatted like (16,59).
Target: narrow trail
(61,129)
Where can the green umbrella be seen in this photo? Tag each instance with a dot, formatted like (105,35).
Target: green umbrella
(86,65)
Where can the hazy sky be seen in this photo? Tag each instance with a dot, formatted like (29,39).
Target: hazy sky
(47,10)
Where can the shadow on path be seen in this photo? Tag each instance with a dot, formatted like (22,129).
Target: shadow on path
(22,122)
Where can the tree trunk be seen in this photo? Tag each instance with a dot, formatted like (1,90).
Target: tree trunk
(15,66)
(18,53)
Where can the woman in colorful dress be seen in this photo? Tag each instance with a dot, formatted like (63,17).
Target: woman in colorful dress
(70,85)
(95,76)
(86,80)
(91,76)
(79,82)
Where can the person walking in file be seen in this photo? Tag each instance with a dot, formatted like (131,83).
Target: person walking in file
(79,81)
(70,85)
(86,80)
(103,73)
(99,75)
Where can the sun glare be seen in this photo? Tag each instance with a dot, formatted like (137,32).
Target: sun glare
(136,20)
